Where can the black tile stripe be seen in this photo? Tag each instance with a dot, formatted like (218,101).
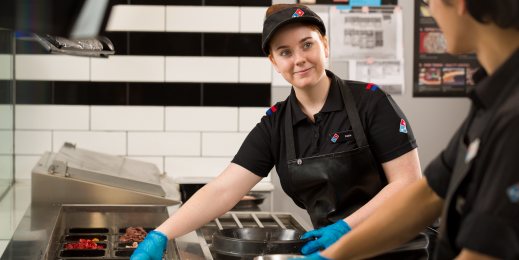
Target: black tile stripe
(34,92)
(5,92)
(164,94)
(29,47)
(240,95)
(332,2)
(119,40)
(89,93)
(138,93)
(166,2)
(233,44)
(165,44)
(238,2)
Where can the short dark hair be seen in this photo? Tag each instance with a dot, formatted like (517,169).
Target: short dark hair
(504,13)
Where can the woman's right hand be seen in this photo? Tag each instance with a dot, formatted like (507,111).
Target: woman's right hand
(152,248)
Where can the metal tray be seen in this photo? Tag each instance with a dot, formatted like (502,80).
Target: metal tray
(76,237)
(83,253)
(81,230)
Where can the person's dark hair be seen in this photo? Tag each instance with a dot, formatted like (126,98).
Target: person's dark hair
(504,13)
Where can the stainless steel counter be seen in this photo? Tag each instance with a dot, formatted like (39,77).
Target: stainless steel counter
(45,228)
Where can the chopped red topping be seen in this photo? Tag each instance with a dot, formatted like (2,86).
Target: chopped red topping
(83,244)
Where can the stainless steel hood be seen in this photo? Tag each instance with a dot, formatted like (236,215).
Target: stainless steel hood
(79,176)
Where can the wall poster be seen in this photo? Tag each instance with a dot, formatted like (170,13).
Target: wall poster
(369,39)
(436,73)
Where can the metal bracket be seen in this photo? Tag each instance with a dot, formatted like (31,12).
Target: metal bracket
(58,167)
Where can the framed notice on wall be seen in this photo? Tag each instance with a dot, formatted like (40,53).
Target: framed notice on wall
(436,73)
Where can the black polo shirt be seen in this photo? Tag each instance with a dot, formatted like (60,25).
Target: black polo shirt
(487,199)
(381,118)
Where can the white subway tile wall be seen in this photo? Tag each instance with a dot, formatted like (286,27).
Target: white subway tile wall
(221,144)
(6,138)
(6,121)
(255,70)
(128,68)
(210,119)
(52,117)
(127,118)
(196,166)
(137,18)
(251,19)
(6,164)
(202,69)
(32,142)
(5,67)
(52,67)
(202,19)
(103,142)
(23,165)
(250,117)
(157,160)
(163,143)
(180,140)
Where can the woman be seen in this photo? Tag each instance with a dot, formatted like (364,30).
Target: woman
(474,183)
(320,140)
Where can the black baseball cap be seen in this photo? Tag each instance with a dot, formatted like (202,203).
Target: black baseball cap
(286,16)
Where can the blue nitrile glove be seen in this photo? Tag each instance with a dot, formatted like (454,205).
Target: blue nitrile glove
(314,256)
(152,248)
(326,236)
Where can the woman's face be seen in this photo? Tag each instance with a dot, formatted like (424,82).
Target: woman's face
(298,53)
(454,21)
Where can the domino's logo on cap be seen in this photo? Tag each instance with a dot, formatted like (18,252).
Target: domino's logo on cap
(298,13)
(335,137)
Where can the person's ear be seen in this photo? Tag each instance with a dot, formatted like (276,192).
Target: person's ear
(461,5)
(273,62)
(326,47)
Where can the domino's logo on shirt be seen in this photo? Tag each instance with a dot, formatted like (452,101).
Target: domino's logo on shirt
(513,193)
(335,137)
(403,128)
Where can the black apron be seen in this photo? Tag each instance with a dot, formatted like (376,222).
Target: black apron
(333,186)
(455,206)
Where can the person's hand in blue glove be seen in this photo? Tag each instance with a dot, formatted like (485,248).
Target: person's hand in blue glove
(314,256)
(326,236)
(152,248)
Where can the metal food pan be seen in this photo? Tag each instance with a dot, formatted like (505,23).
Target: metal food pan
(122,245)
(122,230)
(88,230)
(76,237)
(83,253)
(126,253)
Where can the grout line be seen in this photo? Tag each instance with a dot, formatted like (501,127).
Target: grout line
(163,164)
(164,68)
(165,18)
(52,141)
(89,118)
(126,143)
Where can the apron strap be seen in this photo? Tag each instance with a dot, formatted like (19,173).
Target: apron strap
(353,113)
(351,110)
(289,132)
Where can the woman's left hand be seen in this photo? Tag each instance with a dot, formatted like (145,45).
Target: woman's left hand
(326,236)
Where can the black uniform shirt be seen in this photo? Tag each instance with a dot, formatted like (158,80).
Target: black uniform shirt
(486,202)
(381,118)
